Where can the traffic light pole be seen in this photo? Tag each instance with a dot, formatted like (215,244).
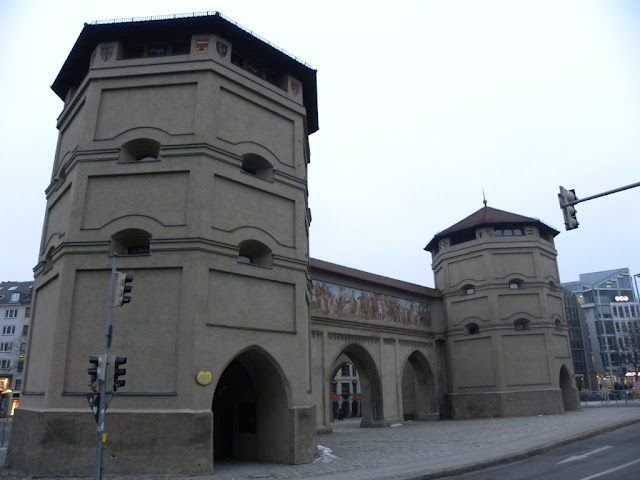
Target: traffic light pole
(102,408)
(609,192)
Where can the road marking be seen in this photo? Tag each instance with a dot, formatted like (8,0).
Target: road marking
(584,455)
(612,470)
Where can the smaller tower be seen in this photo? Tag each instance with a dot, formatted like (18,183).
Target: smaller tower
(507,338)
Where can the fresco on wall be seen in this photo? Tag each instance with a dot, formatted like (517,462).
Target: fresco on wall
(338,301)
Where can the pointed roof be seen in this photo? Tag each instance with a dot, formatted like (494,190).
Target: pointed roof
(489,216)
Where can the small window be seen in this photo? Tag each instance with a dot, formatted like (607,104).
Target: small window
(521,324)
(8,330)
(515,284)
(11,313)
(25,330)
(15,297)
(345,370)
(345,388)
(472,329)
(558,324)
(131,241)
(27,312)
(468,290)
(5,364)
(258,166)
(5,347)
(255,253)
(140,150)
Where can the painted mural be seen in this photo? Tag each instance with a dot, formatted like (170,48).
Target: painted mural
(338,301)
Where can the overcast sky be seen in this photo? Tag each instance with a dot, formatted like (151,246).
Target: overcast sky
(422,105)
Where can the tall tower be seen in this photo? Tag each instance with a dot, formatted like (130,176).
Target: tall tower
(507,338)
(183,150)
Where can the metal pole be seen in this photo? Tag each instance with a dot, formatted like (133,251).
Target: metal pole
(101,436)
(609,192)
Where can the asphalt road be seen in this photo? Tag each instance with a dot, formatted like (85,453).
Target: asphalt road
(613,455)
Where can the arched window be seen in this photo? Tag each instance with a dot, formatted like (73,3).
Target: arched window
(256,165)
(131,241)
(472,329)
(521,324)
(515,284)
(558,324)
(48,261)
(140,150)
(468,289)
(255,253)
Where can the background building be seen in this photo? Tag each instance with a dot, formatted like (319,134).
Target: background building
(15,314)
(580,345)
(611,310)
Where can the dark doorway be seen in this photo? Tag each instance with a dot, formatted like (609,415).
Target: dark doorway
(234,408)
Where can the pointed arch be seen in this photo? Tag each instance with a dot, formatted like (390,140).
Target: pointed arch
(371,403)
(419,399)
(251,409)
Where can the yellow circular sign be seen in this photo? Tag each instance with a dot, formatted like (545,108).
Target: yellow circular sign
(204,377)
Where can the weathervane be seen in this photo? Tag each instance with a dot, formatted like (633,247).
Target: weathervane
(484,199)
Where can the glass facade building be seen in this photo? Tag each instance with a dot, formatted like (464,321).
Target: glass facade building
(612,314)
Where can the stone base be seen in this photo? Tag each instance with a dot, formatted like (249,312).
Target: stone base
(507,404)
(64,443)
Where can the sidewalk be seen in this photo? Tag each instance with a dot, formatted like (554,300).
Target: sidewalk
(428,449)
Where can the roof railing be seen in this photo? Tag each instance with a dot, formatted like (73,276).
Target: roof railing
(212,13)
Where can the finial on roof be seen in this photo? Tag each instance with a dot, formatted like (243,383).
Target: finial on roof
(484,199)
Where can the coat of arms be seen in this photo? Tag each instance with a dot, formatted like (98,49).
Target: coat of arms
(106,52)
(295,87)
(202,45)
(222,48)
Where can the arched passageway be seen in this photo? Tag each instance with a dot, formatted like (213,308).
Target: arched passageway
(368,393)
(419,400)
(250,410)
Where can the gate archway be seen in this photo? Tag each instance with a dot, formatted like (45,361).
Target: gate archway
(250,410)
(419,401)
(370,404)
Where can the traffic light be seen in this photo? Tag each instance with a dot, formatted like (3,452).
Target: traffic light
(122,289)
(567,198)
(93,373)
(97,372)
(118,372)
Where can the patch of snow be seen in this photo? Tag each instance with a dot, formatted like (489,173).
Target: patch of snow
(324,455)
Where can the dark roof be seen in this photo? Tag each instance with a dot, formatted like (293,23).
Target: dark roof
(76,66)
(25,289)
(373,278)
(489,216)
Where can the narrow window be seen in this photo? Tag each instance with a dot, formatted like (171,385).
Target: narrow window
(468,290)
(521,324)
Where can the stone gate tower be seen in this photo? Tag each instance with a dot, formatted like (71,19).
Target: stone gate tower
(507,338)
(183,150)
